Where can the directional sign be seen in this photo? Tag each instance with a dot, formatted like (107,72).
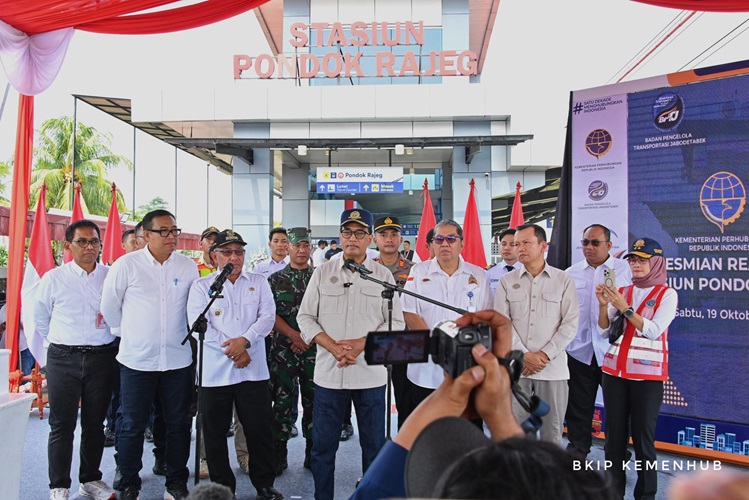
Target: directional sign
(346,180)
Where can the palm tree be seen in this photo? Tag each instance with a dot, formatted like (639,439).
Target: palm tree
(53,162)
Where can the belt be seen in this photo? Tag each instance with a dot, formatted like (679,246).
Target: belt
(86,349)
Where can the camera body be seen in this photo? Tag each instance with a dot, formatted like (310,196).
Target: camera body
(449,346)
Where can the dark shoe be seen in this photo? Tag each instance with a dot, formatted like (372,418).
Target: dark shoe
(281,463)
(176,491)
(148,435)
(129,493)
(108,438)
(294,431)
(159,466)
(347,432)
(269,493)
(117,478)
(307,454)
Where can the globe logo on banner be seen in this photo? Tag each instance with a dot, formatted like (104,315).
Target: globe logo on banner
(598,142)
(668,110)
(722,199)
(597,190)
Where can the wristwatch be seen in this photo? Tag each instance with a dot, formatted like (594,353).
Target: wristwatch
(628,312)
(247,344)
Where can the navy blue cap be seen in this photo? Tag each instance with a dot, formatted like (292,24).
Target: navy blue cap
(645,248)
(358,215)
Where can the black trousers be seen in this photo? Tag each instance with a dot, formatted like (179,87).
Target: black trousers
(77,374)
(253,403)
(583,384)
(402,392)
(635,404)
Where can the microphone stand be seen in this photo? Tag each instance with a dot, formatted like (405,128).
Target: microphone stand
(200,326)
(388,293)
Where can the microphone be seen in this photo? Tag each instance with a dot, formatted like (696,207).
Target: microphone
(218,284)
(352,266)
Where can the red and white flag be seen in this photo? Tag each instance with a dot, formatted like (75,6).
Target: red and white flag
(112,248)
(516,217)
(473,243)
(77,215)
(39,262)
(427,223)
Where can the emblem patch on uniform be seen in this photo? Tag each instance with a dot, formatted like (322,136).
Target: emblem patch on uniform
(402,276)
(516,286)
(425,280)
(252,288)
(355,215)
(410,278)
(217,312)
(472,280)
(650,303)
(334,279)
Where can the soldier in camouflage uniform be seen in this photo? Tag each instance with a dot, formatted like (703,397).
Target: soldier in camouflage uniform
(290,356)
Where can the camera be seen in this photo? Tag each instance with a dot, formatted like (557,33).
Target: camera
(449,346)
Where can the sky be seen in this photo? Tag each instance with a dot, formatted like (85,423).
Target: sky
(540,51)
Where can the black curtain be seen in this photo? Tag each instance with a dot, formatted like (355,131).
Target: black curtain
(560,249)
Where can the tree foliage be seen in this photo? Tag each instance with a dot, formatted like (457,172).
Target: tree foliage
(157,203)
(53,164)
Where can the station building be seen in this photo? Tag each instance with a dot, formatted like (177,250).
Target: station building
(382,93)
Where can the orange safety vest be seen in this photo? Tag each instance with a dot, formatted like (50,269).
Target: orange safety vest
(643,359)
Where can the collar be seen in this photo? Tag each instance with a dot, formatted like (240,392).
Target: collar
(201,260)
(545,271)
(152,260)
(80,271)
(434,267)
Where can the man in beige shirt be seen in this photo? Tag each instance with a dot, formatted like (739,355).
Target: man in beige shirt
(541,301)
(338,310)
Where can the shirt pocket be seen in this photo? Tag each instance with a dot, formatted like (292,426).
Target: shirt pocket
(331,299)
(551,305)
(582,293)
(370,301)
(518,304)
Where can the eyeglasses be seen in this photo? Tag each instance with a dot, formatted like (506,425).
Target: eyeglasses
(359,233)
(595,243)
(449,239)
(639,260)
(85,243)
(164,233)
(227,253)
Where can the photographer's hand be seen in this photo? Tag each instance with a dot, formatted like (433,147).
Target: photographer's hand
(449,400)
(493,398)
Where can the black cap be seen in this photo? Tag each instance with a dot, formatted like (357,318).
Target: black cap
(387,222)
(209,231)
(645,248)
(358,215)
(227,236)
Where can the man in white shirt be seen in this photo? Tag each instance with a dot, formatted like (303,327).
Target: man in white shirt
(318,256)
(509,259)
(541,302)
(339,308)
(449,279)
(235,370)
(145,303)
(67,313)
(278,242)
(585,353)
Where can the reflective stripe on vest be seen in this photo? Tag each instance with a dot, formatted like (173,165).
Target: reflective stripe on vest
(645,359)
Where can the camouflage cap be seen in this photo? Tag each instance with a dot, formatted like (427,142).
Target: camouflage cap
(297,234)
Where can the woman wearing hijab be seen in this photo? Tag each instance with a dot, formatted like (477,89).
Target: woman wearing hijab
(636,364)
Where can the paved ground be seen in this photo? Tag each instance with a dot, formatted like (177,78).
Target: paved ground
(295,483)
